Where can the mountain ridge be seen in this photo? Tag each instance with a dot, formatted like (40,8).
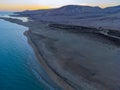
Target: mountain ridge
(79,15)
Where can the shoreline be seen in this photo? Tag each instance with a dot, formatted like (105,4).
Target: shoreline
(42,44)
(54,76)
(58,80)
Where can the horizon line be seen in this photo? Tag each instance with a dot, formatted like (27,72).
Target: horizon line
(39,7)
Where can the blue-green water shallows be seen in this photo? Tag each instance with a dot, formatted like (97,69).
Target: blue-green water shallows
(18,64)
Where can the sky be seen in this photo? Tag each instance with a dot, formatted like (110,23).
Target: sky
(16,5)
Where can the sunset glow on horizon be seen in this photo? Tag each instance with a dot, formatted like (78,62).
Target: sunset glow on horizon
(19,5)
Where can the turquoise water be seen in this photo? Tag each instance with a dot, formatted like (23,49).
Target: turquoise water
(19,68)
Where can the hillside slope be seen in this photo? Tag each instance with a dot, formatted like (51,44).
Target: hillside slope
(107,18)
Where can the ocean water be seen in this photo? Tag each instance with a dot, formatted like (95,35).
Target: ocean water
(5,13)
(19,68)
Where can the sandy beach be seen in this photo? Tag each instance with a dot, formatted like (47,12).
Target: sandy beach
(75,61)
(55,76)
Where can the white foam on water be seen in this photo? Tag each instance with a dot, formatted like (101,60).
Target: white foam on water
(40,74)
(23,19)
